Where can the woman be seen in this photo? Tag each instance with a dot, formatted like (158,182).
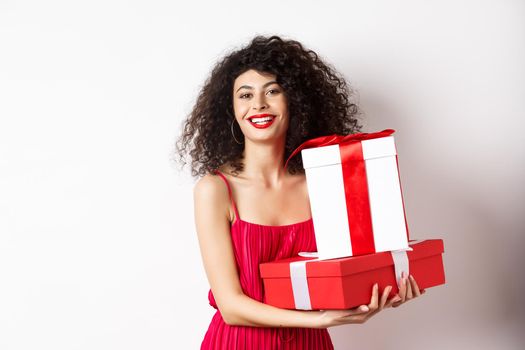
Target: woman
(260,103)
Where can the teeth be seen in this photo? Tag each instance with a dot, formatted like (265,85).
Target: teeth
(261,120)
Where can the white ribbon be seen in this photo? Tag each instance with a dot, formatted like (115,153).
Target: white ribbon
(301,294)
(400,259)
(309,254)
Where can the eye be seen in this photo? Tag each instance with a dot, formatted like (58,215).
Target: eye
(274,91)
(247,95)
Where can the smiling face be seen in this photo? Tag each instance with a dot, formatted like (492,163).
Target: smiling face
(260,106)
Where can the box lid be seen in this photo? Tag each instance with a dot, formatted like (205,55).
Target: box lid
(329,155)
(350,265)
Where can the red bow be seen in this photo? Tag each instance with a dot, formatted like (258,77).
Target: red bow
(338,139)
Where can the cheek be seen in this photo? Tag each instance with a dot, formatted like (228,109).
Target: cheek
(239,108)
(282,101)
(236,109)
(283,105)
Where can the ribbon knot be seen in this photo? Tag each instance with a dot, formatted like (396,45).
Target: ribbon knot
(334,139)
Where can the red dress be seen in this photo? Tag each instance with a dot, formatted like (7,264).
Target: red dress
(254,244)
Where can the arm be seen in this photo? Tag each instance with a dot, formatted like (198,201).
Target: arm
(213,229)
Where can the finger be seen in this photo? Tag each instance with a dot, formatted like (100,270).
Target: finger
(375,296)
(382,302)
(363,309)
(384,297)
(402,288)
(415,287)
(394,300)
(410,294)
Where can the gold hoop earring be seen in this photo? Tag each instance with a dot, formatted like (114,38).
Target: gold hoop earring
(233,133)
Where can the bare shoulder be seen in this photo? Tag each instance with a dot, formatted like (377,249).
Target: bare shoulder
(210,188)
(211,197)
(208,185)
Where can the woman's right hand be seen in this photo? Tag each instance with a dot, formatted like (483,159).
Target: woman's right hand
(360,314)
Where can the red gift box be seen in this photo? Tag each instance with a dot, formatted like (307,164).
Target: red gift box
(345,283)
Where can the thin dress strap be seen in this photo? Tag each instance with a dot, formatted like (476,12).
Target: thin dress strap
(230,193)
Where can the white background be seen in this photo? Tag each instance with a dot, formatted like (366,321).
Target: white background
(97,242)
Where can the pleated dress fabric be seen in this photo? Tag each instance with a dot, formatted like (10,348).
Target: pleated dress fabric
(254,244)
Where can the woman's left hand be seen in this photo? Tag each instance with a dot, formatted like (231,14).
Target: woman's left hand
(408,290)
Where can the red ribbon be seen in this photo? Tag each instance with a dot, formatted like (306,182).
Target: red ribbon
(355,184)
(338,139)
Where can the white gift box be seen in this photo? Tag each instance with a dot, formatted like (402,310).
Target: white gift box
(355,196)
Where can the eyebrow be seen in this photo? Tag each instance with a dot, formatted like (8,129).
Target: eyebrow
(265,85)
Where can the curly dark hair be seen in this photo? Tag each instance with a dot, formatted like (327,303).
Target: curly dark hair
(317,95)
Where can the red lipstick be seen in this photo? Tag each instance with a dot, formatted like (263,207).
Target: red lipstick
(261,121)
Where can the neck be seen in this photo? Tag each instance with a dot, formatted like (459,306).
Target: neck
(264,162)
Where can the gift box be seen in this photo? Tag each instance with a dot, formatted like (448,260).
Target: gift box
(355,193)
(344,283)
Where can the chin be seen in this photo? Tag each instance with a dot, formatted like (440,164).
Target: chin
(267,138)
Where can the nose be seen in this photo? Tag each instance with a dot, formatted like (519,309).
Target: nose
(259,103)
